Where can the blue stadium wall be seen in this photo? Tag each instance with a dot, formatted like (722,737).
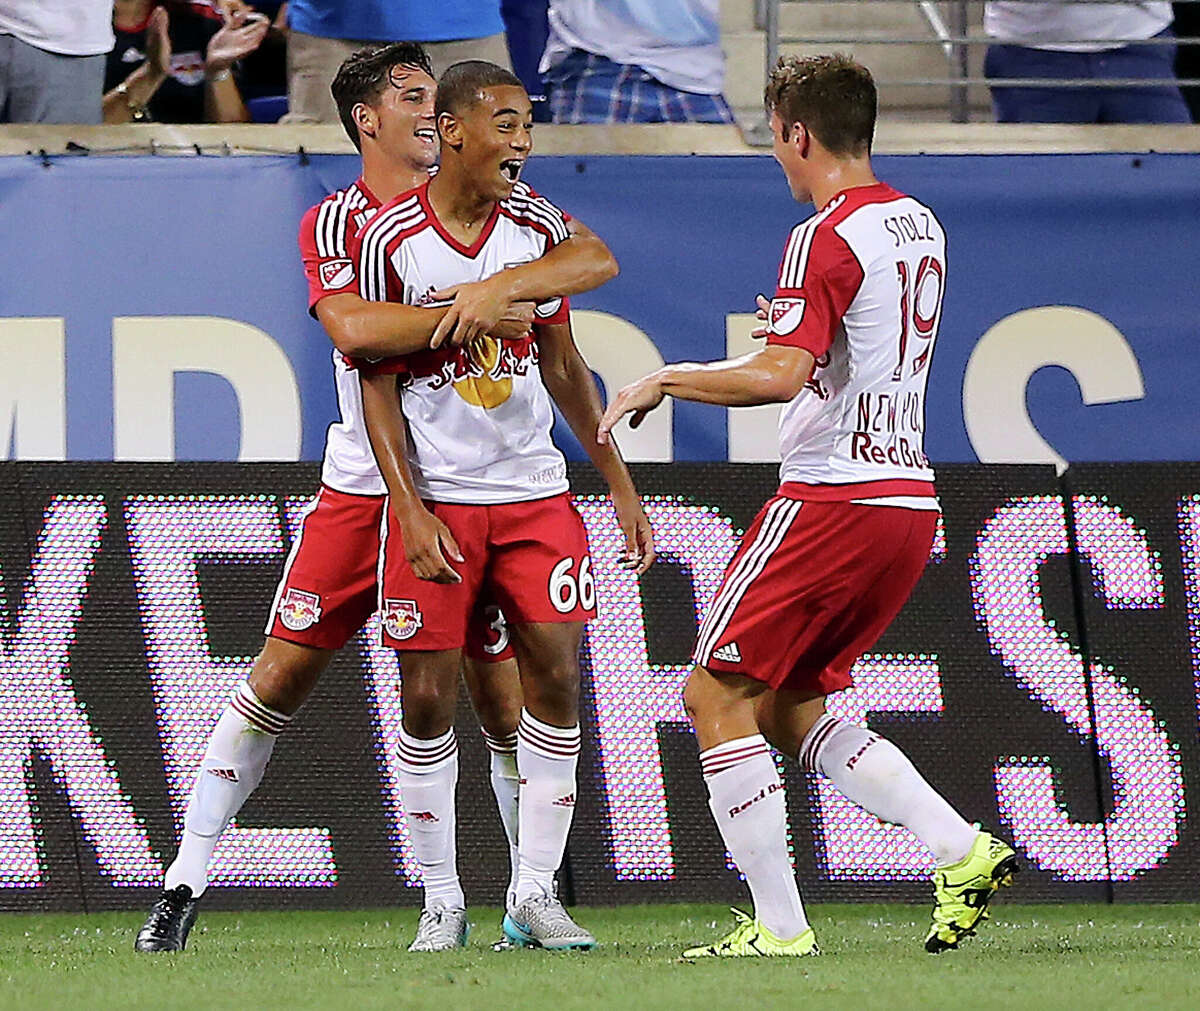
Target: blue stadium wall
(154,307)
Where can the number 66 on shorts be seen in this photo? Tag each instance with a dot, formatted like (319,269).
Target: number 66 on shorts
(571,585)
(530,558)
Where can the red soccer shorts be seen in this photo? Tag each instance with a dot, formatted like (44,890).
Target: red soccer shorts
(329,588)
(812,587)
(530,558)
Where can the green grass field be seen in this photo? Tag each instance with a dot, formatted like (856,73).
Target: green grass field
(1080,956)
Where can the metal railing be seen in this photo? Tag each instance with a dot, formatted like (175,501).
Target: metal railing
(948,26)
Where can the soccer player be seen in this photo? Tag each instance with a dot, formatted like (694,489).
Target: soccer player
(830,560)
(328,589)
(485,466)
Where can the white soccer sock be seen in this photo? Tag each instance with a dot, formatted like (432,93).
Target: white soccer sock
(879,778)
(506,785)
(233,765)
(746,798)
(546,757)
(428,777)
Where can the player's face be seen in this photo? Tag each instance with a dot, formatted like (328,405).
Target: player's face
(406,129)
(788,154)
(497,138)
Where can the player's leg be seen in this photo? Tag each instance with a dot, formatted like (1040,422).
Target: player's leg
(236,757)
(494,685)
(746,798)
(871,771)
(541,577)
(426,623)
(882,552)
(867,768)
(428,780)
(326,593)
(548,744)
(233,765)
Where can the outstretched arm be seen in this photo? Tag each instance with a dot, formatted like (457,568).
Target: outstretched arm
(427,540)
(773,375)
(570,382)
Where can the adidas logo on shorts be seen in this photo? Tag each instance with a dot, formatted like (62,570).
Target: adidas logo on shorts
(729,653)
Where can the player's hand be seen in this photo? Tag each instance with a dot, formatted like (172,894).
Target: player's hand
(639,537)
(763,312)
(427,543)
(637,399)
(477,307)
(158,43)
(516,322)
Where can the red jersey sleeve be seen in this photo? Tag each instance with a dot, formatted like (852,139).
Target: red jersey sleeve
(327,263)
(819,276)
(556,310)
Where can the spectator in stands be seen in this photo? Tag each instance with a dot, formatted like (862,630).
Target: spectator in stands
(52,60)
(323,33)
(1091,41)
(173,62)
(635,61)
(262,75)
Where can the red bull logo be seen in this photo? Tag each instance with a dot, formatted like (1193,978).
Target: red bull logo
(401,618)
(298,610)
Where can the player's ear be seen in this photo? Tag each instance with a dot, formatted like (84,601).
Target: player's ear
(449,129)
(801,138)
(365,119)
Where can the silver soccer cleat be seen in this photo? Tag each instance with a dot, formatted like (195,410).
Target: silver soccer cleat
(441,929)
(542,922)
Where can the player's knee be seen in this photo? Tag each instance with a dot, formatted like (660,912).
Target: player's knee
(427,712)
(499,716)
(554,689)
(281,685)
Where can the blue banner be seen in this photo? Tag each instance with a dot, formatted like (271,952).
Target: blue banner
(154,307)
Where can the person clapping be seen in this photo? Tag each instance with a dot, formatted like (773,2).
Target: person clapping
(173,61)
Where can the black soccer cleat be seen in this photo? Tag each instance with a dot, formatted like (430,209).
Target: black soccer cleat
(169,922)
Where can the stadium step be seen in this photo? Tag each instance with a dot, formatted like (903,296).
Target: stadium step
(820,23)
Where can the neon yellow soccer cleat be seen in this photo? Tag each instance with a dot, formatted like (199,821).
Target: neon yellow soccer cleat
(750,939)
(962,891)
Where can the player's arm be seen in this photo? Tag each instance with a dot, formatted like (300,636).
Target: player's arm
(362,329)
(365,329)
(578,263)
(813,293)
(771,376)
(571,384)
(427,540)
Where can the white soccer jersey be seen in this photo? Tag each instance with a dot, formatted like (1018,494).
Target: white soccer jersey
(325,234)
(860,287)
(479,425)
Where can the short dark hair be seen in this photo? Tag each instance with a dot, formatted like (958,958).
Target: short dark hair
(365,73)
(461,84)
(833,96)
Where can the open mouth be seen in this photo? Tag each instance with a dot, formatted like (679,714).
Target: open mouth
(511,169)
(426,133)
